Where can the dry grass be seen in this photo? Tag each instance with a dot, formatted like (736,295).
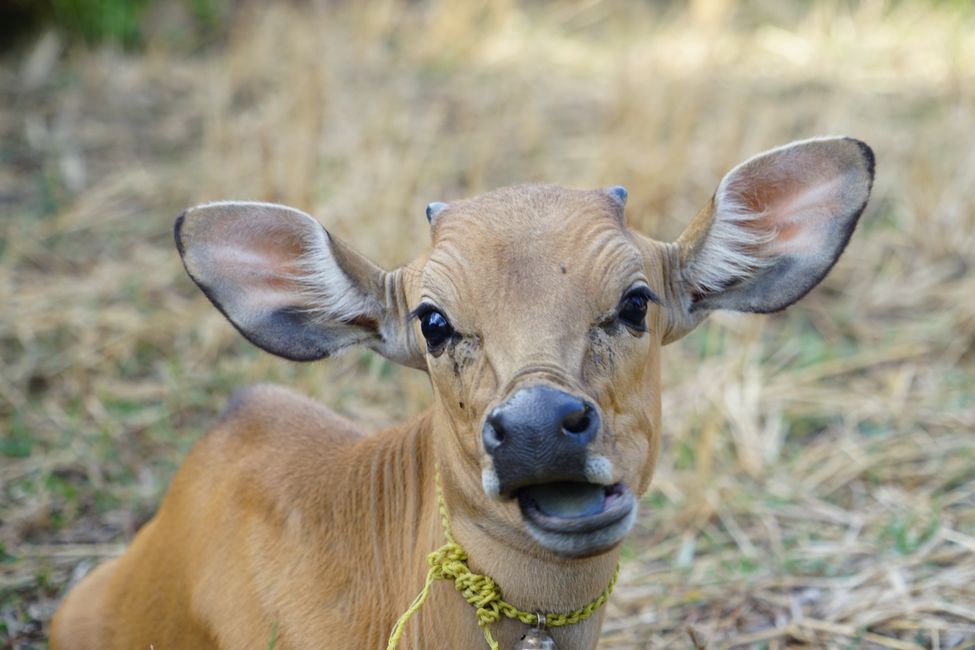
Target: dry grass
(816,487)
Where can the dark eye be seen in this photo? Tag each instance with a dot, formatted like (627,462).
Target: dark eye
(633,308)
(435,327)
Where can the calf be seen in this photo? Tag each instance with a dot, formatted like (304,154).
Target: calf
(539,316)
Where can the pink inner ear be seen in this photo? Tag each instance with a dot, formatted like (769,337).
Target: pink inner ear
(254,260)
(777,224)
(265,274)
(283,281)
(794,206)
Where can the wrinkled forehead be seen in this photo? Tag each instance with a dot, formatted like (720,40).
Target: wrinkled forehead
(541,247)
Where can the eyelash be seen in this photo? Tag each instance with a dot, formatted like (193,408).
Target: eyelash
(436,334)
(636,301)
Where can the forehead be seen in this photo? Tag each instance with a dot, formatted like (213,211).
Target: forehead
(538,243)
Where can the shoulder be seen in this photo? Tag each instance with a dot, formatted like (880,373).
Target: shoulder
(267,431)
(263,411)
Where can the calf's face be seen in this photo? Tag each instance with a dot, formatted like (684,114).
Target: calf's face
(539,316)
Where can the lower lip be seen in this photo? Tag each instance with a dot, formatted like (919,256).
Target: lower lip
(617,504)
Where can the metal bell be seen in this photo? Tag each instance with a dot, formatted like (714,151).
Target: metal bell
(536,639)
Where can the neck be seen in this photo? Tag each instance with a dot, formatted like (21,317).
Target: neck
(397,471)
(530,578)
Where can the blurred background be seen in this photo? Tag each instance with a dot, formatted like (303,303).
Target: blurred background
(817,483)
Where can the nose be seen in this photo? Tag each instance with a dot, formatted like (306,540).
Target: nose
(540,414)
(539,435)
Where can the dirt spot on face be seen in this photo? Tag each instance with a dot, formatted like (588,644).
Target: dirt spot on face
(464,353)
(601,351)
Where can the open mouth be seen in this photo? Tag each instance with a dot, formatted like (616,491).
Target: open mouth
(577,519)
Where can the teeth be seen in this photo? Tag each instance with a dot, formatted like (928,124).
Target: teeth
(568,500)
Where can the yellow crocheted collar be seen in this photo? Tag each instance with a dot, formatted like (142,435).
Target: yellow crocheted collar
(449,562)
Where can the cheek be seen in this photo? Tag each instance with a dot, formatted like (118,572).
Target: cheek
(602,358)
(639,443)
(457,382)
(624,373)
(616,363)
(633,431)
(642,407)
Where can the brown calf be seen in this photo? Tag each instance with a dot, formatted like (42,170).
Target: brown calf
(539,316)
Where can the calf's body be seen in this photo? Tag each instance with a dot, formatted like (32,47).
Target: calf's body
(539,316)
(253,541)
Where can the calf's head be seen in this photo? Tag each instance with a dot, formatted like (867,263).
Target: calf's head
(539,316)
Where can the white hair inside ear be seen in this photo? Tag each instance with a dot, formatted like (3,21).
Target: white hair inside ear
(776,224)
(288,286)
(733,247)
(326,290)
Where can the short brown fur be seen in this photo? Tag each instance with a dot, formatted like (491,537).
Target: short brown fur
(286,520)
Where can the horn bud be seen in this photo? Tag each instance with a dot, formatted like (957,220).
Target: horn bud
(433,209)
(619,193)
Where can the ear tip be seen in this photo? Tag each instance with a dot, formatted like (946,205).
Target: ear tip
(868,156)
(178,232)
(186,226)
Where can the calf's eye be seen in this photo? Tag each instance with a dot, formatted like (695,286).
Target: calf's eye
(633,308)
(436,328)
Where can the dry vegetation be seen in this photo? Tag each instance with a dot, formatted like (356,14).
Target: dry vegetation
(816,487)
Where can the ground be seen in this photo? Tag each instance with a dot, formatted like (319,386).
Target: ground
(817,482)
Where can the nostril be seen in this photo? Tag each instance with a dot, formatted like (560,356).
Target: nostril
(493,434)
(578,421)
(493,437)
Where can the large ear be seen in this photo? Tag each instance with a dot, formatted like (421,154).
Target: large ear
(289,287)
(774,228)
